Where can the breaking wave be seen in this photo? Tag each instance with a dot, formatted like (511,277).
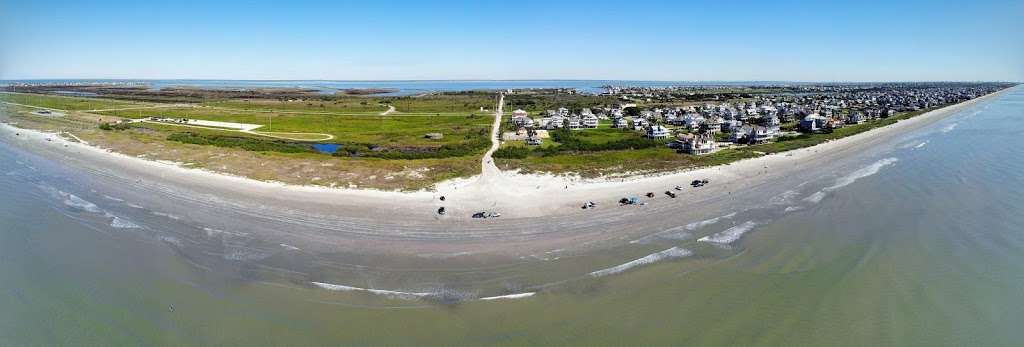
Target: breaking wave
(674,233)
(697,225)
(671,253)
(121,223)
(509,296)
(394,294)
(852,177)
(948,128)
(729,235)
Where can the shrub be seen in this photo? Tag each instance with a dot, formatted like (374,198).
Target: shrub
(246,143)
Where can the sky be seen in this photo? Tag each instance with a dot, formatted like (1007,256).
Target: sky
(495,40)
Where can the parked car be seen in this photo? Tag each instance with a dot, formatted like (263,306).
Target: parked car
(440,211)
(480,215)
(670,194)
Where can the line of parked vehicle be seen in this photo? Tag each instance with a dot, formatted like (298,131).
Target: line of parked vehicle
(650,195)
(590,204)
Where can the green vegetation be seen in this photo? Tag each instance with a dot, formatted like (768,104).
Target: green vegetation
(64,102)
(114,126)
(372,129)
(542,102)
(246,143)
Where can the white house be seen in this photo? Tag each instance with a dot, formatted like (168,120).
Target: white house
(813,122)
(657,132)
(575,123)
(620,123)
(698,144)
(590,121)
(640,124)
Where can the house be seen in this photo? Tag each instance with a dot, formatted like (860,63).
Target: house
(575,122)
(761,134)
(813,123)
(657,132)
(855,118)
(620,123)
(555,122)
(640,124)
(713,124)
(590,121)
(697,144)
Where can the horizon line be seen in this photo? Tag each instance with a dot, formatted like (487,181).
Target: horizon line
(499,80)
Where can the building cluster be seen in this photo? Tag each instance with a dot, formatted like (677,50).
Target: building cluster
(758,119)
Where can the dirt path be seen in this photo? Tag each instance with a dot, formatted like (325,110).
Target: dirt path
(488,169)
(389,111)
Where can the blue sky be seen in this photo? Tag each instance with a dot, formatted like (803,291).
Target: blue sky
(376,40)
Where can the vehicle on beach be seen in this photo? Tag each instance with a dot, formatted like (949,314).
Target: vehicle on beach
(589,205)
(485,215)
(670,194)
(441,211)
(699,183)
(678,188)
(629,201)
(650,194)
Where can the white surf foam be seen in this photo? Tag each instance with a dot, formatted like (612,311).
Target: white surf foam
(111,198)
(671,253)
(388,293)
(674,233)
(852,177)
(290,247)
(793,209)
(949,128)
(171,239)
(167,215)
(697,225)
(121,223)
(73,201)
(510,296)
(921,145)
(729,235)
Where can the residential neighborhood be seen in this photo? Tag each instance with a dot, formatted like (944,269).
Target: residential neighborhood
(756,115)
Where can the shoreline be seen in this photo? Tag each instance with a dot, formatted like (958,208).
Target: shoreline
(513,194)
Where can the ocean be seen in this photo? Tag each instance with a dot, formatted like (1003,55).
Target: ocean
(917,241)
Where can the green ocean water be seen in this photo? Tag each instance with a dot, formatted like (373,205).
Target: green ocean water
(921,244)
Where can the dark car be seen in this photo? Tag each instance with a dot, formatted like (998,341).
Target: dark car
(480,215)
(440,211)
(670,194)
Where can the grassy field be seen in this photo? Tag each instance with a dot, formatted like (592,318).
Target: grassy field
(66,103)
(370,129)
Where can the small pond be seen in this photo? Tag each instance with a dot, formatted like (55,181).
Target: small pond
(329,148)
